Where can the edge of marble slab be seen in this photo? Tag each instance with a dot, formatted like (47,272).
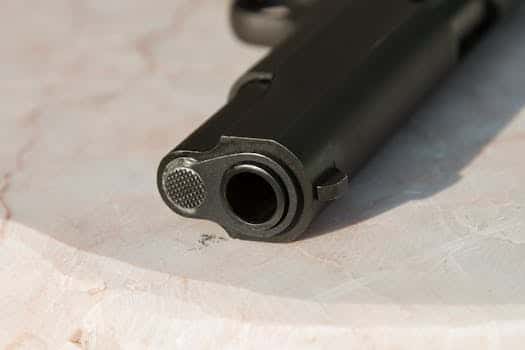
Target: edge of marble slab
(98,300)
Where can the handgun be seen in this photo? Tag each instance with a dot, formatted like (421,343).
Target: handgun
(341,77)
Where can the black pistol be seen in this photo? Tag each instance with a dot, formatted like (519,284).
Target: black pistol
(342,76)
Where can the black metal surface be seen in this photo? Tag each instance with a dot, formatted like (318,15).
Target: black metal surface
(304,119)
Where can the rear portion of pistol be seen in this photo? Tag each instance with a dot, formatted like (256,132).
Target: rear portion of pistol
(304,119)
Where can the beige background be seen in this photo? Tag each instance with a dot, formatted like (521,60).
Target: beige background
(427,250)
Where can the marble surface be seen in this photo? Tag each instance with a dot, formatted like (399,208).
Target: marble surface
(427,250)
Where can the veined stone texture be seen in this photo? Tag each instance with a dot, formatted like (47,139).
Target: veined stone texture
(426,250)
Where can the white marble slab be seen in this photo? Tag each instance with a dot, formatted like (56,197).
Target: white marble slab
(427,250)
